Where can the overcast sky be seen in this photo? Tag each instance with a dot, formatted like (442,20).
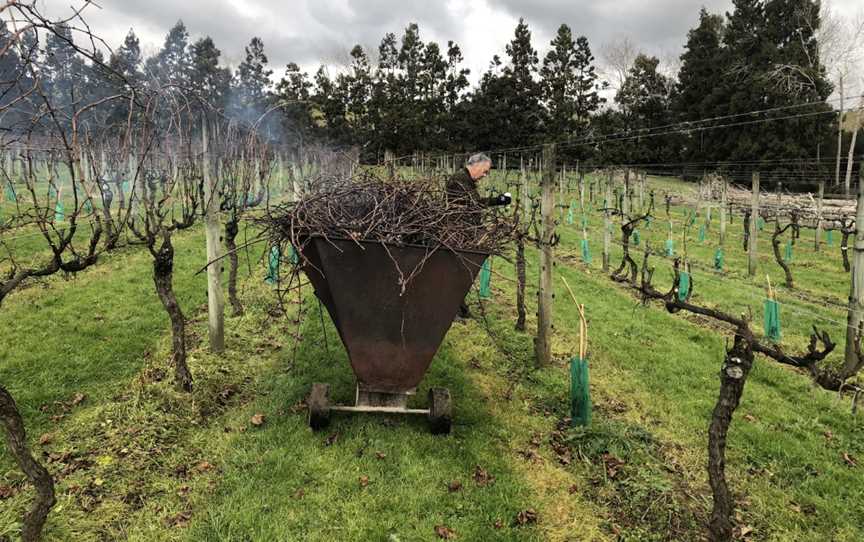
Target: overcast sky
(313,31)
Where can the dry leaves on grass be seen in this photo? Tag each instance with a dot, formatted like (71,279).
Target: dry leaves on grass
(180,519)
(525,517)
(364,481)
(46,439)
(612,464)
(850,459)
(454,486)
(482,477)
(257,420)
(445,532)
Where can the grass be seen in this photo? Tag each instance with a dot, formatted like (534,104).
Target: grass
(137,461)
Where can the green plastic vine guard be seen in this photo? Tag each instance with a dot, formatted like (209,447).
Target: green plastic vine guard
(570,216)
(486,279)
(580,393)
(702,233)
(586,252)
(636,237)
(787,256)
(760,223)
(584,221)
(273,261)
(683,285)
(292,255)
(648,222)
(59,214)
(772,320)
(718,259)
(10,193)
(830,239)
(88,206)
(670,247)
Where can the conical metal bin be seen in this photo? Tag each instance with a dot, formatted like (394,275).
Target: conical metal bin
(392,305)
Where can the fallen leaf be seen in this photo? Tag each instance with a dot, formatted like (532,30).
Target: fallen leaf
(573,489)
(78,399)
(828,435)
(454,486)
(612,464)
(498,523)
(204,466)
(364,481)
(299,494)
(744,531)
(45,439)
(183,491)
(750,418)
(6,492)
(257,420)
(526,516)
(445,532)
(380,455)
(181,519)
(482,477)
(850,459)
(331,439)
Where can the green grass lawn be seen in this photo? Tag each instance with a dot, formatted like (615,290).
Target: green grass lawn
(137,461)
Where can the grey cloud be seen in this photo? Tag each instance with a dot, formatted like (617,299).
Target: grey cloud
(657,26)
(305,31)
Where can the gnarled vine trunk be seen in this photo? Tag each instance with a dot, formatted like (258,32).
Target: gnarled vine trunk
(733,376)
(231,231)
(16,443)
(163,277)
(520,283)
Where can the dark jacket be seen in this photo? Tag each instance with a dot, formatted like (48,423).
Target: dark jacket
(462,190)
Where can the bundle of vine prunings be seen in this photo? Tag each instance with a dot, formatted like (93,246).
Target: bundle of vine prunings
(364,207)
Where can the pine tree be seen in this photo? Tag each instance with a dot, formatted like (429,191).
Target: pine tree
(645,100)
(569,82)
(206,78)
(173,63)
(252,83)
(506,110)
(699,82)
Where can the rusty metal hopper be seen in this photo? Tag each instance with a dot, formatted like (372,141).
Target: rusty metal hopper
(390,338)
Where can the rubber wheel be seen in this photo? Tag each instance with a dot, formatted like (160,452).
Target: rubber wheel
(440,411)
(319,406)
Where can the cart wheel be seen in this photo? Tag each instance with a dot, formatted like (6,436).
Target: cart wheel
(440,411)
(319,406)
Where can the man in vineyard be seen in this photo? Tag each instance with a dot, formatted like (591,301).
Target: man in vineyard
(462,192)
(462,187)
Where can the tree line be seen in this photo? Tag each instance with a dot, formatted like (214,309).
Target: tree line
(413,95)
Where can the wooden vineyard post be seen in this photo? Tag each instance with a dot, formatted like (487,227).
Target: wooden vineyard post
(607,223)
(215,296)
(526,197)
(856,294)
(752,252)
(818,238)
(543,342)
(723,202)
(625,203)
